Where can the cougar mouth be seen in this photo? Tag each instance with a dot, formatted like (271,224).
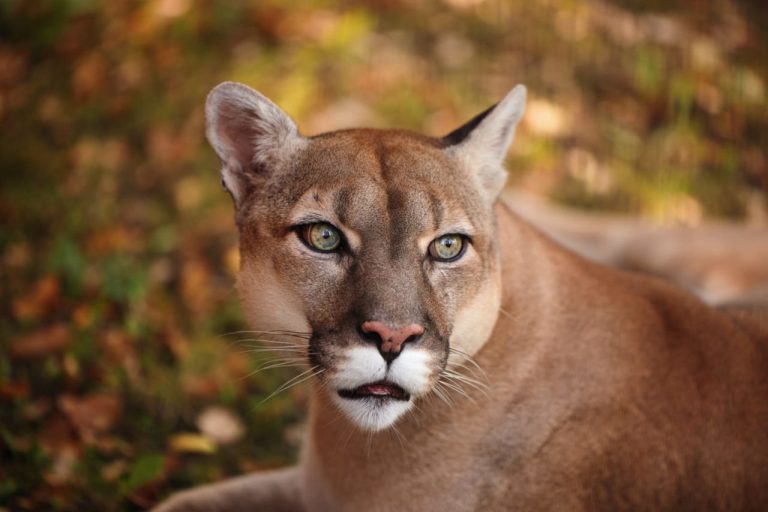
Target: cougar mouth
(378,390)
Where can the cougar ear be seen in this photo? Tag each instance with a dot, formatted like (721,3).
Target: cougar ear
(482,143)
(251,135)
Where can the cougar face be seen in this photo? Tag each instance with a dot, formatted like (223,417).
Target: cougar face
(368,242)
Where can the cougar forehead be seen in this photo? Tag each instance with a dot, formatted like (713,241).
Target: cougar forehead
(357,166)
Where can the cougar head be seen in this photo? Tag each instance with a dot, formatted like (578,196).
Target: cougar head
(376,245)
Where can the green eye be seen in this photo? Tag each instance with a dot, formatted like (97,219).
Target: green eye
(447,247)
(321,236)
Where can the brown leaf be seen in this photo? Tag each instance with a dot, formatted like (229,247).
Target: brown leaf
(117,345)
(91,415)
(196,285)
(114,470)
(63,466)
(83,316)
(34,411)
(57,435)
(39,300)
(113,239)
(89,75)
(176,342)
(201,386)
(14,389)
(119,348)
(41,343)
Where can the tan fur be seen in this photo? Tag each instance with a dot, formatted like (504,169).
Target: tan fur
(606,391)
(719,262)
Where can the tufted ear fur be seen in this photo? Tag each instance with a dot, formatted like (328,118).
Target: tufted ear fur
(482,143)
(251,135)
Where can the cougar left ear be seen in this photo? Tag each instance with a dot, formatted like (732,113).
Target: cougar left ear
(482,143)
(251,135)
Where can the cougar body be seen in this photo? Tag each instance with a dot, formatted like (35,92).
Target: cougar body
(720,262)
(512,375)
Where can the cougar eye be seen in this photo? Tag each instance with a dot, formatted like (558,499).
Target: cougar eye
(321,236)
(447,247)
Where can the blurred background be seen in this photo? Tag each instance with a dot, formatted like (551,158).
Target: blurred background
(122,373)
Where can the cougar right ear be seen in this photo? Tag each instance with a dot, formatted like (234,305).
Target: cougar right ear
(251,135)
(482,143)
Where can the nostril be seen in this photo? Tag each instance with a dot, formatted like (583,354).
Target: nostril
(369,335)
(390,340)
(411,332)
(412,338)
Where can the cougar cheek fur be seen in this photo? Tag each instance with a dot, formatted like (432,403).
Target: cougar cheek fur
(458,358)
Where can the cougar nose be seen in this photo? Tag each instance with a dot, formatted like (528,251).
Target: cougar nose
(390,340)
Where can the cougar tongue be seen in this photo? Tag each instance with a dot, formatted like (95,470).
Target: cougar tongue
(380,390)
(377,389)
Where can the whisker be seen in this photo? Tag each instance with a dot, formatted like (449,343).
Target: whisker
(399,436)
(468,359)
(279,363)
(466,379)
(295,334)
(460,391)
(507,314)
(295,381)
(440,394)
(277,350)
(265,341)
(350,433)
(459,382)
(283,359)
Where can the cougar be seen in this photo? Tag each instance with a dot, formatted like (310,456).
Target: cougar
(459,359)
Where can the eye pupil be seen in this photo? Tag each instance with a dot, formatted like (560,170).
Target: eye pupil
(321,236)
(447,248)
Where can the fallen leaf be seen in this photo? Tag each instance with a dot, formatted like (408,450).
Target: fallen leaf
(192,443)
(35,410)
(119,348)
(41,343)
(14,389)
(83,316)
(145,470)
(196,285)
(91,415)
(220,424)
(63,466)
(56,435)
(201,386)
(39,300)
(114,470)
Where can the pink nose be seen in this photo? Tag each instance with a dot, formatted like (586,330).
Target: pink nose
(392,339)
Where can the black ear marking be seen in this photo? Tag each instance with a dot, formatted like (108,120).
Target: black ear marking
(460,134)
(481,144)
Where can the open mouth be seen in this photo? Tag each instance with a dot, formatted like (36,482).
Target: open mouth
(381,389)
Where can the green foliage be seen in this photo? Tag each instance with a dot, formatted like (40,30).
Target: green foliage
(143,471)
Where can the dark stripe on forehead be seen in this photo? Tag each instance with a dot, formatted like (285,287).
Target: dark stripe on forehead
(381,154)
(438,212)
(411,212)
(398,221)
(342,202)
